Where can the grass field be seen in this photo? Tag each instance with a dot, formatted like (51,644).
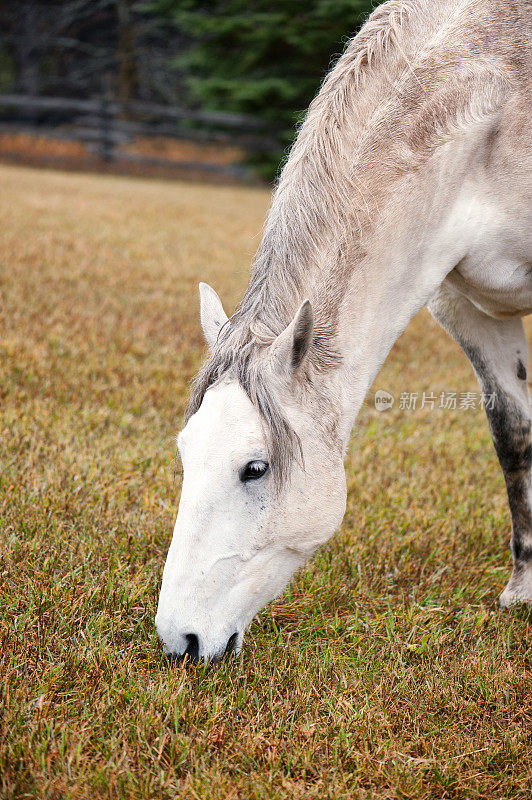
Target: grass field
(384,671)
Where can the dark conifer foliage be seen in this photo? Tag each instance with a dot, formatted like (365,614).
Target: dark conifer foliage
(264,58)
(261,57)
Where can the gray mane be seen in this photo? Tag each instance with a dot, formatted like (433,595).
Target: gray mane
(345,158)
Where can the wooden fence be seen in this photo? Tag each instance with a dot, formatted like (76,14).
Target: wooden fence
(105,126)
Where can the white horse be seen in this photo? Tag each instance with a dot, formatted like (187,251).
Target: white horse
(410,183)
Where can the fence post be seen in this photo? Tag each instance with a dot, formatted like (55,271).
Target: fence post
(105,129)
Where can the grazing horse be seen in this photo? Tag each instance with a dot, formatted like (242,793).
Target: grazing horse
(409,184)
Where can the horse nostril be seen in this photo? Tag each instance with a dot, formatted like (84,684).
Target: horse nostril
(192,650)
(191,653)
(230,646)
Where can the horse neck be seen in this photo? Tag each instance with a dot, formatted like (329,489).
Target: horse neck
(373,208)
(391,267)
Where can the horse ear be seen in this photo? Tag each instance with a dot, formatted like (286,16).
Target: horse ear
(212,314)
(293,344)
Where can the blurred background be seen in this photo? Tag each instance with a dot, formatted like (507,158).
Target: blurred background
(206,88)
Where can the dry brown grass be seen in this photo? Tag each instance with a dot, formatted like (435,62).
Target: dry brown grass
(43,150)
(385,671)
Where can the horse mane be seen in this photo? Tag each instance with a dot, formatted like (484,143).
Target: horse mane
(326,199)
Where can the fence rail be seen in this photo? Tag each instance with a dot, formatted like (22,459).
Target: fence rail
(104,126)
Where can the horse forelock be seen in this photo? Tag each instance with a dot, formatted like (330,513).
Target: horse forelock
(239,357)
(240,354)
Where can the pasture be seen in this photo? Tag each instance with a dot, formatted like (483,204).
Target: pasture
(384,671)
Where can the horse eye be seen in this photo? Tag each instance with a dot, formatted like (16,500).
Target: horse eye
(253,471)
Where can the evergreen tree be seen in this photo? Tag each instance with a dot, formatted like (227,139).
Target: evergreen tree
(262,57)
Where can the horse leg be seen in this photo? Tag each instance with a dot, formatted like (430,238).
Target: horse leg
(498,352)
